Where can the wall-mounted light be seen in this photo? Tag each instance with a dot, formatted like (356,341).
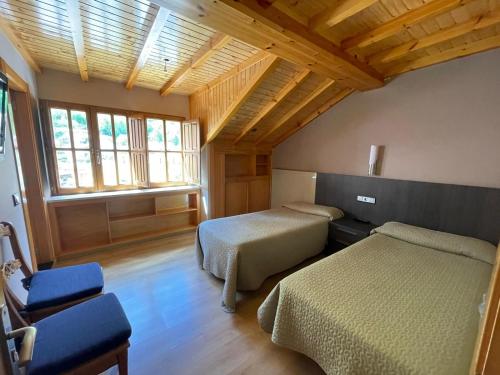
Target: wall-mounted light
(373,160)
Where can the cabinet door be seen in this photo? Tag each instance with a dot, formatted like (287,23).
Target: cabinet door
(236,198)
(258,195)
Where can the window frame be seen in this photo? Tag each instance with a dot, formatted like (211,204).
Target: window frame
(165,151)
(95,150)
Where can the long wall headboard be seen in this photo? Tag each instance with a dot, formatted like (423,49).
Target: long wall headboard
(465,210)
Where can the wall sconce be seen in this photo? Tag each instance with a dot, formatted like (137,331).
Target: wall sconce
(373,160)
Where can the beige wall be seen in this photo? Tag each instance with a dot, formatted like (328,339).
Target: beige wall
(439,124)
(67,87)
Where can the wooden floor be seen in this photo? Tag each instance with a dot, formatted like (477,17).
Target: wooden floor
(177,321)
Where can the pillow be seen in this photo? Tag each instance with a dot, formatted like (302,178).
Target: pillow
(332,213)
(451,243)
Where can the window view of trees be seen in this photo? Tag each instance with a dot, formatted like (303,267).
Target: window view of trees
(101,159)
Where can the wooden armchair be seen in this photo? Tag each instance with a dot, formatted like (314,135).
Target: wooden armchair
(49,291)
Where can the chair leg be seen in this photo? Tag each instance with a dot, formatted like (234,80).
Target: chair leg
(123,362)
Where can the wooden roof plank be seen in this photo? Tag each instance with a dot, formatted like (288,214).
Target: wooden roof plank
(19,45)
(317,112)
(209,49)
(338,13)
(270,29)
(280,96)
(272,62)
(75,21)
(160,17)
(476,23)
(459,51)
(397,24)
(296,109)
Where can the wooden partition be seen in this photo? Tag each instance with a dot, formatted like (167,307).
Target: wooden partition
(82,223)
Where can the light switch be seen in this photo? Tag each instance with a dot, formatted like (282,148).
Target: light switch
(362,198)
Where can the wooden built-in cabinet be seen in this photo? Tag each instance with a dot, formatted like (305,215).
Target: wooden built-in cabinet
(235,180)
(88,222)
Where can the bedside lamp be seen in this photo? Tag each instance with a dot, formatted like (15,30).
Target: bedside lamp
(373,160)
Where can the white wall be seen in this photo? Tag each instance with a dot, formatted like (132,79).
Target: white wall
(8,173)
(67,87)
(292,186)
(438,124)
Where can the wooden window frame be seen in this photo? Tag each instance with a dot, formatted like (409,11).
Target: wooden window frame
(165,151)
(92,124)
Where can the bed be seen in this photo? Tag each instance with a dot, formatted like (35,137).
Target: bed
(403,301)
(245,249)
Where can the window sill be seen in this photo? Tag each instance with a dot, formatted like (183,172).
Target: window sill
(121,193)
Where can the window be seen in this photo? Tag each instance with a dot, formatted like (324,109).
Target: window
(95,149)
(164,142)
(71,149)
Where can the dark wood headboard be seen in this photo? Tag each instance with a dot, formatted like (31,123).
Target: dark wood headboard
(465,210)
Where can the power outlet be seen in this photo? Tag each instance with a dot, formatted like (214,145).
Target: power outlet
(362,198)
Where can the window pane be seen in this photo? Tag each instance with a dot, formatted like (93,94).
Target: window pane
(124,168)
(105,131)
(157,168)
(84,169)
(80,130)
(156,140)
(174,160)
(65,169)
(108,168)
(173,135)
(121,132)
(60,128)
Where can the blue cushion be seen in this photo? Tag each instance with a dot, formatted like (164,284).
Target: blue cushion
(60,285)
(78,334)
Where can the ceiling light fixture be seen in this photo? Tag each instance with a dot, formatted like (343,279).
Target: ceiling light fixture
(165,68)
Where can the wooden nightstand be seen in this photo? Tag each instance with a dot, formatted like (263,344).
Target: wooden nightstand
(346,231)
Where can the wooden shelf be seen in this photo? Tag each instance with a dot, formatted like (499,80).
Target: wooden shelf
(175,211)
(130,217)
(134,237)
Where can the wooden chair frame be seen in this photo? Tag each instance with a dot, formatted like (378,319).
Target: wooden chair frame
(21,317)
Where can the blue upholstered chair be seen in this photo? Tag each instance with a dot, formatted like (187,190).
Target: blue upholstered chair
(87,338)
(52,290)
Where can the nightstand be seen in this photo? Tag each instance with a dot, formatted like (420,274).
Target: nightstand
(346,231)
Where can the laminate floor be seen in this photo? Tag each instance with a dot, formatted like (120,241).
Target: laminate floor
(178,324)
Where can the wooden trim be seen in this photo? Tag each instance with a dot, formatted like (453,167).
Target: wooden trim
(339,12)
(278,98)
(270,65)
(486,331)
(75,22)
(476,23)
(317,112)
(160,16)
(395,25)
(15,81)
(267,28)
(209,49)
(30,162)
(460,51)
(18,44)
(117,356)
(308,99)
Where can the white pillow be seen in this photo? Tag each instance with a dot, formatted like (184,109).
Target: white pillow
(332,213)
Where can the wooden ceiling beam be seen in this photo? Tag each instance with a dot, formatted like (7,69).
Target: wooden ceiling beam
(75,22)
(453,53)
(18,44)
(210,48)
(296,109)
(476,23)
(267,28)
(317,112)
(338,13)
(278,98)
(160,18)
(402,22)
(271,63)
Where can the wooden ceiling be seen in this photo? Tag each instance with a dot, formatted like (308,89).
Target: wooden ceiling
(256,71)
